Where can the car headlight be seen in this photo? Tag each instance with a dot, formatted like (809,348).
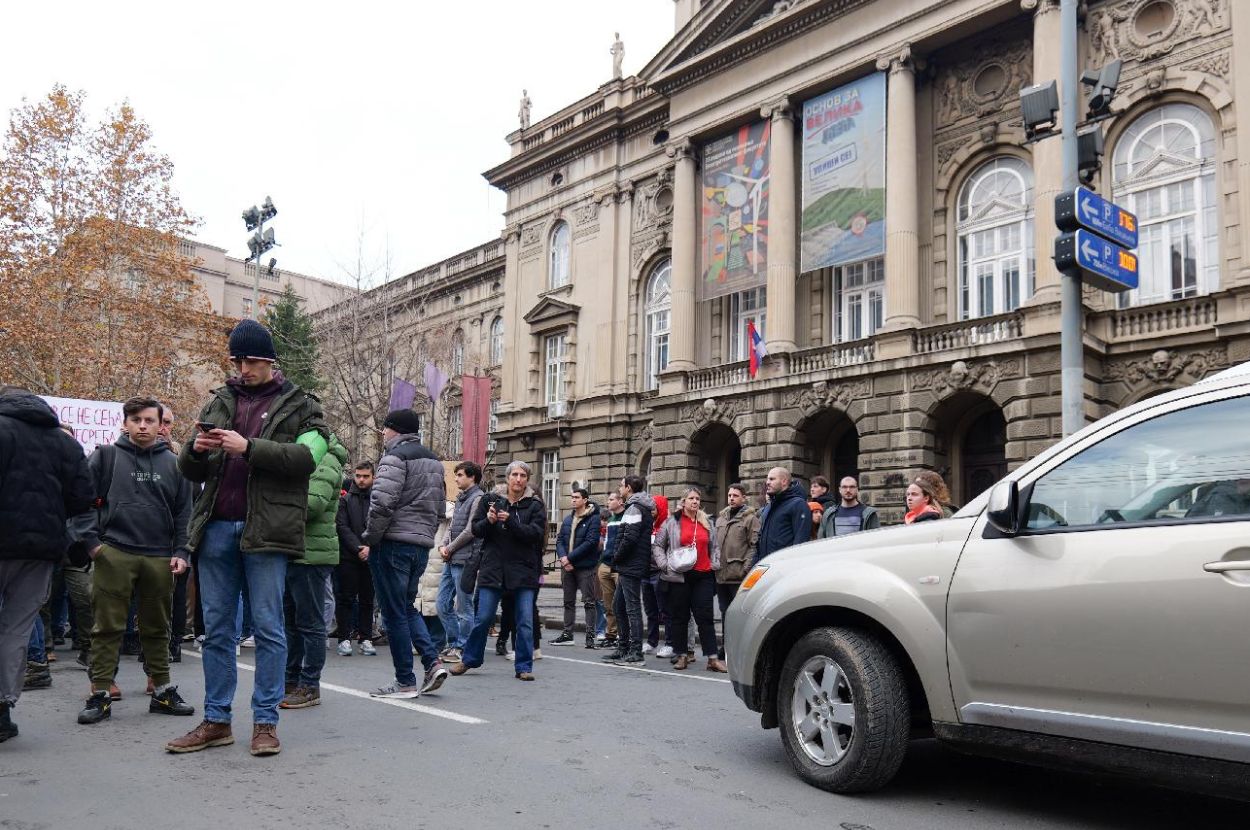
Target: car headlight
(753,577)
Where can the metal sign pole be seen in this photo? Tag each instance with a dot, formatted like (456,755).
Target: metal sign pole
(1071,340)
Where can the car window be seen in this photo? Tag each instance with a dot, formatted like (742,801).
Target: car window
(1190,464)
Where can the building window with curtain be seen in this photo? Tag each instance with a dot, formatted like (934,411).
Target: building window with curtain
(859,299)
(457,353)
(496,341)
(551,484)
(744,307)
(658,315)
(558,272)
(553,376)
(455,430)
(1164,171)
(994,226)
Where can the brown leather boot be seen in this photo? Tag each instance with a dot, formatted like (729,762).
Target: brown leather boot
(682,662)
(265,739)
(716,664)
(202,737)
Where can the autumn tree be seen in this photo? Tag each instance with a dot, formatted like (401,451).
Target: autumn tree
(97,300)
(292,330)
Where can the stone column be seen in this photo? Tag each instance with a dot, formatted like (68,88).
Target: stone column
(1047,154)
(902,184)
(1241,80)
(782,228)
(685,256)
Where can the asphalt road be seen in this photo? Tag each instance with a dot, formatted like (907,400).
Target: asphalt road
(587,746)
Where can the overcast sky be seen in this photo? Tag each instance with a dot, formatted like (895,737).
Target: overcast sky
(368,119)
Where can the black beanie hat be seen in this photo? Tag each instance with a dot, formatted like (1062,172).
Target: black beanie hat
(251,339)
(403,421)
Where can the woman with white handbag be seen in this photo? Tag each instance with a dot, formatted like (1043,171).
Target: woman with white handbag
(688,556)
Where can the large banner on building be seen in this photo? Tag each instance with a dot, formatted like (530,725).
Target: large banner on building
(475,403)
(844,175)
(94,422)
(735,211)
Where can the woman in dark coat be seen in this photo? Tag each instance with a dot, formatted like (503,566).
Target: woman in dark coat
(512,524)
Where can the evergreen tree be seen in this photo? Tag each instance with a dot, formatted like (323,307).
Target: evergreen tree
(293,340)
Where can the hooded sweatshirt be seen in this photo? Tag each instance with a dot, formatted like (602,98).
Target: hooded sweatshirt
(146,505)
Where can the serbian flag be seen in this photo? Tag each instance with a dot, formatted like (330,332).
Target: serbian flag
(756,344)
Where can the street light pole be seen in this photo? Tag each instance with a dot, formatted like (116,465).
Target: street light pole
(1072,318)
(256,274)
(254,219)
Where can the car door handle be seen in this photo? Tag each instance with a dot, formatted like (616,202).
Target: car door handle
(1225,567)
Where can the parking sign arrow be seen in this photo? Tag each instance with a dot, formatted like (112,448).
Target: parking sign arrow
(1088,248)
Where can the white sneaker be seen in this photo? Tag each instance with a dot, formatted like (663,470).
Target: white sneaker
(367,649)
(397,692)
(647,648)
(664,651)
(599,638)
(345,648)
(511,655)
(249,642)
(538,654)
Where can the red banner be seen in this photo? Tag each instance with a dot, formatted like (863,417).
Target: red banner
(475,400)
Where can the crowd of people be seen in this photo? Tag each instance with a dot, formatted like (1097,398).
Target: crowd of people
(251,531)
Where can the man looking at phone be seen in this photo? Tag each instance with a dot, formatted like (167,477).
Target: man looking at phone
(258,441)
(137,537)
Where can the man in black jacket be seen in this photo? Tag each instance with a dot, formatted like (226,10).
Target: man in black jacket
(631,564)
(355,581)
(577,549)
(43,481)
(138,540)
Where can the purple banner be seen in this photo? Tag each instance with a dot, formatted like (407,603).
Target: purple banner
(403,394)
(435,381)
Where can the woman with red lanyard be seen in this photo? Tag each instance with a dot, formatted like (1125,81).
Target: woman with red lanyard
(690,590)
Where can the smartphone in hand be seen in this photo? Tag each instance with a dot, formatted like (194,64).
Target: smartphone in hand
(205,426)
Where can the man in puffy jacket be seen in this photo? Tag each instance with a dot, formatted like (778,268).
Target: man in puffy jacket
(786,519)
(577,549)
(407,501)
(632,563)
(304,605)
(262,438)
(43,482)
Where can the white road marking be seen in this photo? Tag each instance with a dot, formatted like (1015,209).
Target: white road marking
(637,668)
(403,704)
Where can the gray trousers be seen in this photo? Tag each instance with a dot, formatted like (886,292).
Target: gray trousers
(24,587)
(585,580)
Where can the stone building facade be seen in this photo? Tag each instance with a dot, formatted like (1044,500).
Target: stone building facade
(942,353)
(228,282)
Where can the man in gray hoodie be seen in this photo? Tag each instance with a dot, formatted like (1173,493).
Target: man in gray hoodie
(137,537)
(408,498)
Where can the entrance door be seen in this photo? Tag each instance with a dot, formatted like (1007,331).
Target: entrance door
(984,454)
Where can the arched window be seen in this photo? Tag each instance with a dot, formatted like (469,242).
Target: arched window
(559,270)
(457,353)
(995,230)
(1164,171)
(659,303)
(496,341)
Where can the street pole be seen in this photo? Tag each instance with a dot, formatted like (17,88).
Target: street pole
(256,276)
(1071,337)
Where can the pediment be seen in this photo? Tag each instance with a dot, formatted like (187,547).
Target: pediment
(550,313)
(736,26)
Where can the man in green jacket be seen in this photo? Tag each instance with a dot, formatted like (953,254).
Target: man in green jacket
(306,584)
(259,439)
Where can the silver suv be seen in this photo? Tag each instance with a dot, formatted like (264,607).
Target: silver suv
(1092,610)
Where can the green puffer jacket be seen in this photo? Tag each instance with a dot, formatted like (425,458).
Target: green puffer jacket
(321,537)
(279,468)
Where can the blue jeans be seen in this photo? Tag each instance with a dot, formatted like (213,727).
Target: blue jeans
(455,607)
(487,605)
(396,568)
(224,571)
(304,609)
(35,651)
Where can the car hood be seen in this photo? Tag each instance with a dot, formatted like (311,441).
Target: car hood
(870,545)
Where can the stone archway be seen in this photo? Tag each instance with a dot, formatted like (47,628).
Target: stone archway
(829,444)
(970,444)
(715,459)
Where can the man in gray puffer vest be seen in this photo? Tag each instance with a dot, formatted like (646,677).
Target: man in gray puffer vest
(405,506)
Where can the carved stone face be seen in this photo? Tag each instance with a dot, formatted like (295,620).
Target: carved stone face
(959,372)
(1160,360)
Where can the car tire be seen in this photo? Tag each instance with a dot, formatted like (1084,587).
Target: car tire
(833,675)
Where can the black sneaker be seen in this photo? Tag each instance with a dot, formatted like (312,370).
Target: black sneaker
(501,648)
(175,651)
(634,658)
(614,656)
(168,702)
(130,645)
(590,641)
(8,729)
(565,639)
(83,659)
(99,706)
(37,676)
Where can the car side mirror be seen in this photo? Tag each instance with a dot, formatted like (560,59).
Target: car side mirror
(1003,509)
